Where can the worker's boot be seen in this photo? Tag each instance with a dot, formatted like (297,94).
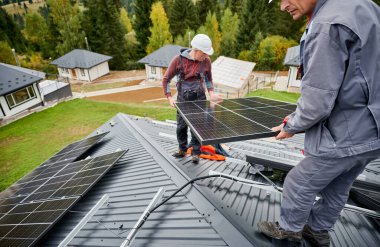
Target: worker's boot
(273,230)
(195,158)
(316,238)
(179,154)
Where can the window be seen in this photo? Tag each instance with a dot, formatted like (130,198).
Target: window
(82,72)
(20,96)
(153,70)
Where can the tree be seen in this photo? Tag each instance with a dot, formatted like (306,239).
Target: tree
(125,21)
(272,51)
(255,17)
(30,1)
(67,20)
(203,7)
(6,55)
(160,29)
(105,32)
(142,23)
(10,32)
(234,5)
(229,26)
(211,28)
(36,32)
(184,40)
(182,17)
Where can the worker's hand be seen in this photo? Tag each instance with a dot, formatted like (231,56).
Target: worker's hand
(171,101)
(283,134)
(214,97)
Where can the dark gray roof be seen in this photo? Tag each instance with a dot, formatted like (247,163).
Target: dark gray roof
(214,212)
(13,78)
(80,58)
(292,57)
(162,57)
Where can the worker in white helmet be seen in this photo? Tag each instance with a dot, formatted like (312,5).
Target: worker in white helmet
(193,70)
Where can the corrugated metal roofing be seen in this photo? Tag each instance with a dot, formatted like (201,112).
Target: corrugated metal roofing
(292,57)
(231,72)
(187,220)
(161,57)
(245,206)
(13,78)
(80,58)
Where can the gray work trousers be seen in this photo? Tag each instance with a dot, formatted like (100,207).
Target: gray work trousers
(331,179)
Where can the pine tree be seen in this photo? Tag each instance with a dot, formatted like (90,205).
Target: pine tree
(105,32)
(234,5)
(10,33)
(229,26)
(203,7)
(67,20)
(255,17)
(125,21)
(211,28)
(37,33)
(160,29)
(183,16)
(142,23)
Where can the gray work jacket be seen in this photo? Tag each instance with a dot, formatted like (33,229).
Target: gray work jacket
(339,107)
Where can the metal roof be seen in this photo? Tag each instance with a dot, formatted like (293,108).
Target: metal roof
(214,212)
(292,57)
(161,57)
(13,78)
(189,219)
(80,58)
(231,72)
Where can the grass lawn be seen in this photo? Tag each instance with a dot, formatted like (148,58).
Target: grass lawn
(30,141)
(14,8)
(270,94)
(101,86)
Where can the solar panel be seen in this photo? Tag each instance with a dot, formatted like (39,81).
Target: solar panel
(25,218)
(233,119)
(68,154)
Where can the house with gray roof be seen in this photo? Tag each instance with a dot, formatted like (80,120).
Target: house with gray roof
(211,212)
(158,61)
(83,65)
(19,89)
(292,60)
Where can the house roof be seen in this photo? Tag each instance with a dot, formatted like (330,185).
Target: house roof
(292,57)
(231,72)
(161,57)
(80,58)
(214,212)
(13,78)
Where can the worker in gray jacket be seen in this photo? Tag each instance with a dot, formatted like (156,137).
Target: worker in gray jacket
(339,110)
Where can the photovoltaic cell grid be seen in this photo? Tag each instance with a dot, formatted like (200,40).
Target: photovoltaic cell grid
(25,218)
(234,119)
(49,167)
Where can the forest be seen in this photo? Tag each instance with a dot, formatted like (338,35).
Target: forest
(40,31)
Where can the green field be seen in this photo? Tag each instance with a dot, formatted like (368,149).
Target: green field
(14,8)
(30,141)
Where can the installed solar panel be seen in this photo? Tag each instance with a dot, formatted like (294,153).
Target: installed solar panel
(234,119)
(68,154)
(25,218)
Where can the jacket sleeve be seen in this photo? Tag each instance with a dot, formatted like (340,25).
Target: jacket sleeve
(169,74)
(325,57)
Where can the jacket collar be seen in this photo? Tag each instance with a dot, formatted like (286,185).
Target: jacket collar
(320,3)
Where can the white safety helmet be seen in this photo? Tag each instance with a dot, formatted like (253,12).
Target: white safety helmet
(203,43)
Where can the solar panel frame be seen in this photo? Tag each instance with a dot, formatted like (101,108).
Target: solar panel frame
(233,120)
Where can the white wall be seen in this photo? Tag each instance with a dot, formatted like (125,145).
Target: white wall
(150,76)
(62,73)
(292,77)
(22,107)
(98,71)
